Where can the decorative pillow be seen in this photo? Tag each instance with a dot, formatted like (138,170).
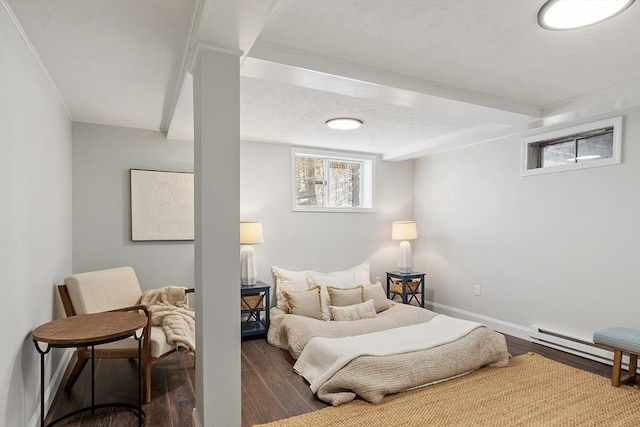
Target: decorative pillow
(364,310)
(341,297)
(295,281)
(304,303)
(341,279)
(292,281)
(378,295)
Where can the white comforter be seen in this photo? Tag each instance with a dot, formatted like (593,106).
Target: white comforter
(373,377)
(323,357)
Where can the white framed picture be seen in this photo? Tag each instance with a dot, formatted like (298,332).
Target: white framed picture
(162,205)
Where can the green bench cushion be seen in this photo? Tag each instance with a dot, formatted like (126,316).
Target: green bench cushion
(622,338)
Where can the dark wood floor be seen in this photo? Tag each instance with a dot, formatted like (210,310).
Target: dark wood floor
(270,388)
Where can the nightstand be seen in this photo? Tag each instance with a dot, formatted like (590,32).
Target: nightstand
(254,304)
(407,285)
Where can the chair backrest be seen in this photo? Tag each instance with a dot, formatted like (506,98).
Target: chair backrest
(103,290)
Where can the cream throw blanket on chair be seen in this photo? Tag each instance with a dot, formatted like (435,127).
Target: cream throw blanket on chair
(169,309)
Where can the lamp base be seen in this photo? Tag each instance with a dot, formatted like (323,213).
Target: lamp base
(404,259)
(248,269)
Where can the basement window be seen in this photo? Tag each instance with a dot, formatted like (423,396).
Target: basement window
(578,147)
(326,181)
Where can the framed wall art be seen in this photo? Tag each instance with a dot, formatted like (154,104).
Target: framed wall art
(162,205)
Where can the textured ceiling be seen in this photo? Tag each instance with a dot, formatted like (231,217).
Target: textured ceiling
(493,47)
(418,73)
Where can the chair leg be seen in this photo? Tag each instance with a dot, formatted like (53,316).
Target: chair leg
(75,372)
(146,382)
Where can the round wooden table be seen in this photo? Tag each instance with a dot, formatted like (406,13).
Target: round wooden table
(90,330)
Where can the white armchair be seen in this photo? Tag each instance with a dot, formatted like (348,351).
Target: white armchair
(106,290)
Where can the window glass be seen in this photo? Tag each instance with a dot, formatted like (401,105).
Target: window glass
(578,147)
(332,181)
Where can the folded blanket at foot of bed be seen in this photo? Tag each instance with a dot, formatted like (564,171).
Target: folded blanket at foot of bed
(440,355)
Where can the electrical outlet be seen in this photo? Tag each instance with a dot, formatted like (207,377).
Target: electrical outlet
(477,290)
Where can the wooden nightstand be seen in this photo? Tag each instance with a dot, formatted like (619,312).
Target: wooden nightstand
(254,303)
(409,285)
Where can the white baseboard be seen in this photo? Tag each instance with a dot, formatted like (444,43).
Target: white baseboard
(196,418)
(52,387)
(495,324)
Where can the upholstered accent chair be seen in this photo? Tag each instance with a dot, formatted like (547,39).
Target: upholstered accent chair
(106,290)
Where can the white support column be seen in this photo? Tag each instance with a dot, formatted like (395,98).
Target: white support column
(216,94)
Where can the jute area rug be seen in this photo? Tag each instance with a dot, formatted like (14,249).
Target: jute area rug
(531,391)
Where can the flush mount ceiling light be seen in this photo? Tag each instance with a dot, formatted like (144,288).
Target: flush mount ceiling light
(343,123)
(571,14)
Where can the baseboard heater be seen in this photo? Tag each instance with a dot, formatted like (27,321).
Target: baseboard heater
(573,345)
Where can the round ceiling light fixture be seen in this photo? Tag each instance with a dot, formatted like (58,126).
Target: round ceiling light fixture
(571,14)
(343,123)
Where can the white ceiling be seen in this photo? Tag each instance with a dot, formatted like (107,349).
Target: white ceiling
(420,74)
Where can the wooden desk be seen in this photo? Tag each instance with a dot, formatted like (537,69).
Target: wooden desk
(90,330)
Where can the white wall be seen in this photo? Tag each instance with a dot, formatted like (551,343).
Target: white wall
(319,241)
(559,250)
(102,157)
(35,220)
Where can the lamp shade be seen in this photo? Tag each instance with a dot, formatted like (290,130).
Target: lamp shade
(251,233)
(404,230)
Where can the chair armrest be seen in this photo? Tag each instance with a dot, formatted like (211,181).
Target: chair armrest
(147,332)
(136,307)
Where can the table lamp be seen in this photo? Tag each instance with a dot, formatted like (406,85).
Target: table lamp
(250,234)
(404,231)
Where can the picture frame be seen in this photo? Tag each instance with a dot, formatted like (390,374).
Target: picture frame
(162,205)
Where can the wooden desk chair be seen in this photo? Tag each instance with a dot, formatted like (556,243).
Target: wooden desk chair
(107,290)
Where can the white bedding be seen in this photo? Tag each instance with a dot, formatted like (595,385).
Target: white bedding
(323,357)
(373,377)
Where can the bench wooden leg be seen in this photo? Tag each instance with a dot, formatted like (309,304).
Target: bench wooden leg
(617,368)
(633,367)
(617,377)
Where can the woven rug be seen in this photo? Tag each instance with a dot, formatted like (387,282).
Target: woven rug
(531,391)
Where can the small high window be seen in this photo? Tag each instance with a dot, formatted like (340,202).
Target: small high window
(332,181)
(590,145)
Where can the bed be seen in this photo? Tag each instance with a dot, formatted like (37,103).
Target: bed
(374,373)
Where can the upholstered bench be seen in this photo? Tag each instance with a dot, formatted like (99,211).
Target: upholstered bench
(620,340)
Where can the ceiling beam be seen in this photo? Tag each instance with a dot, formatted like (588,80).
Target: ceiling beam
(276,64)
(227,25)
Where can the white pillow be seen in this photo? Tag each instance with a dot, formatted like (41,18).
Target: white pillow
(378,295)
(292,281)
(364,310)
(363,275)
(296,281)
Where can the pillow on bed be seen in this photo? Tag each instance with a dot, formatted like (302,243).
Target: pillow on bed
(304,303)
(297,281)
(292,281)
(340,279)
(341,297)
(378,295)
(364,310)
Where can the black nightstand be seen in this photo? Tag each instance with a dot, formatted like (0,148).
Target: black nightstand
(409,284)
(254,303)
